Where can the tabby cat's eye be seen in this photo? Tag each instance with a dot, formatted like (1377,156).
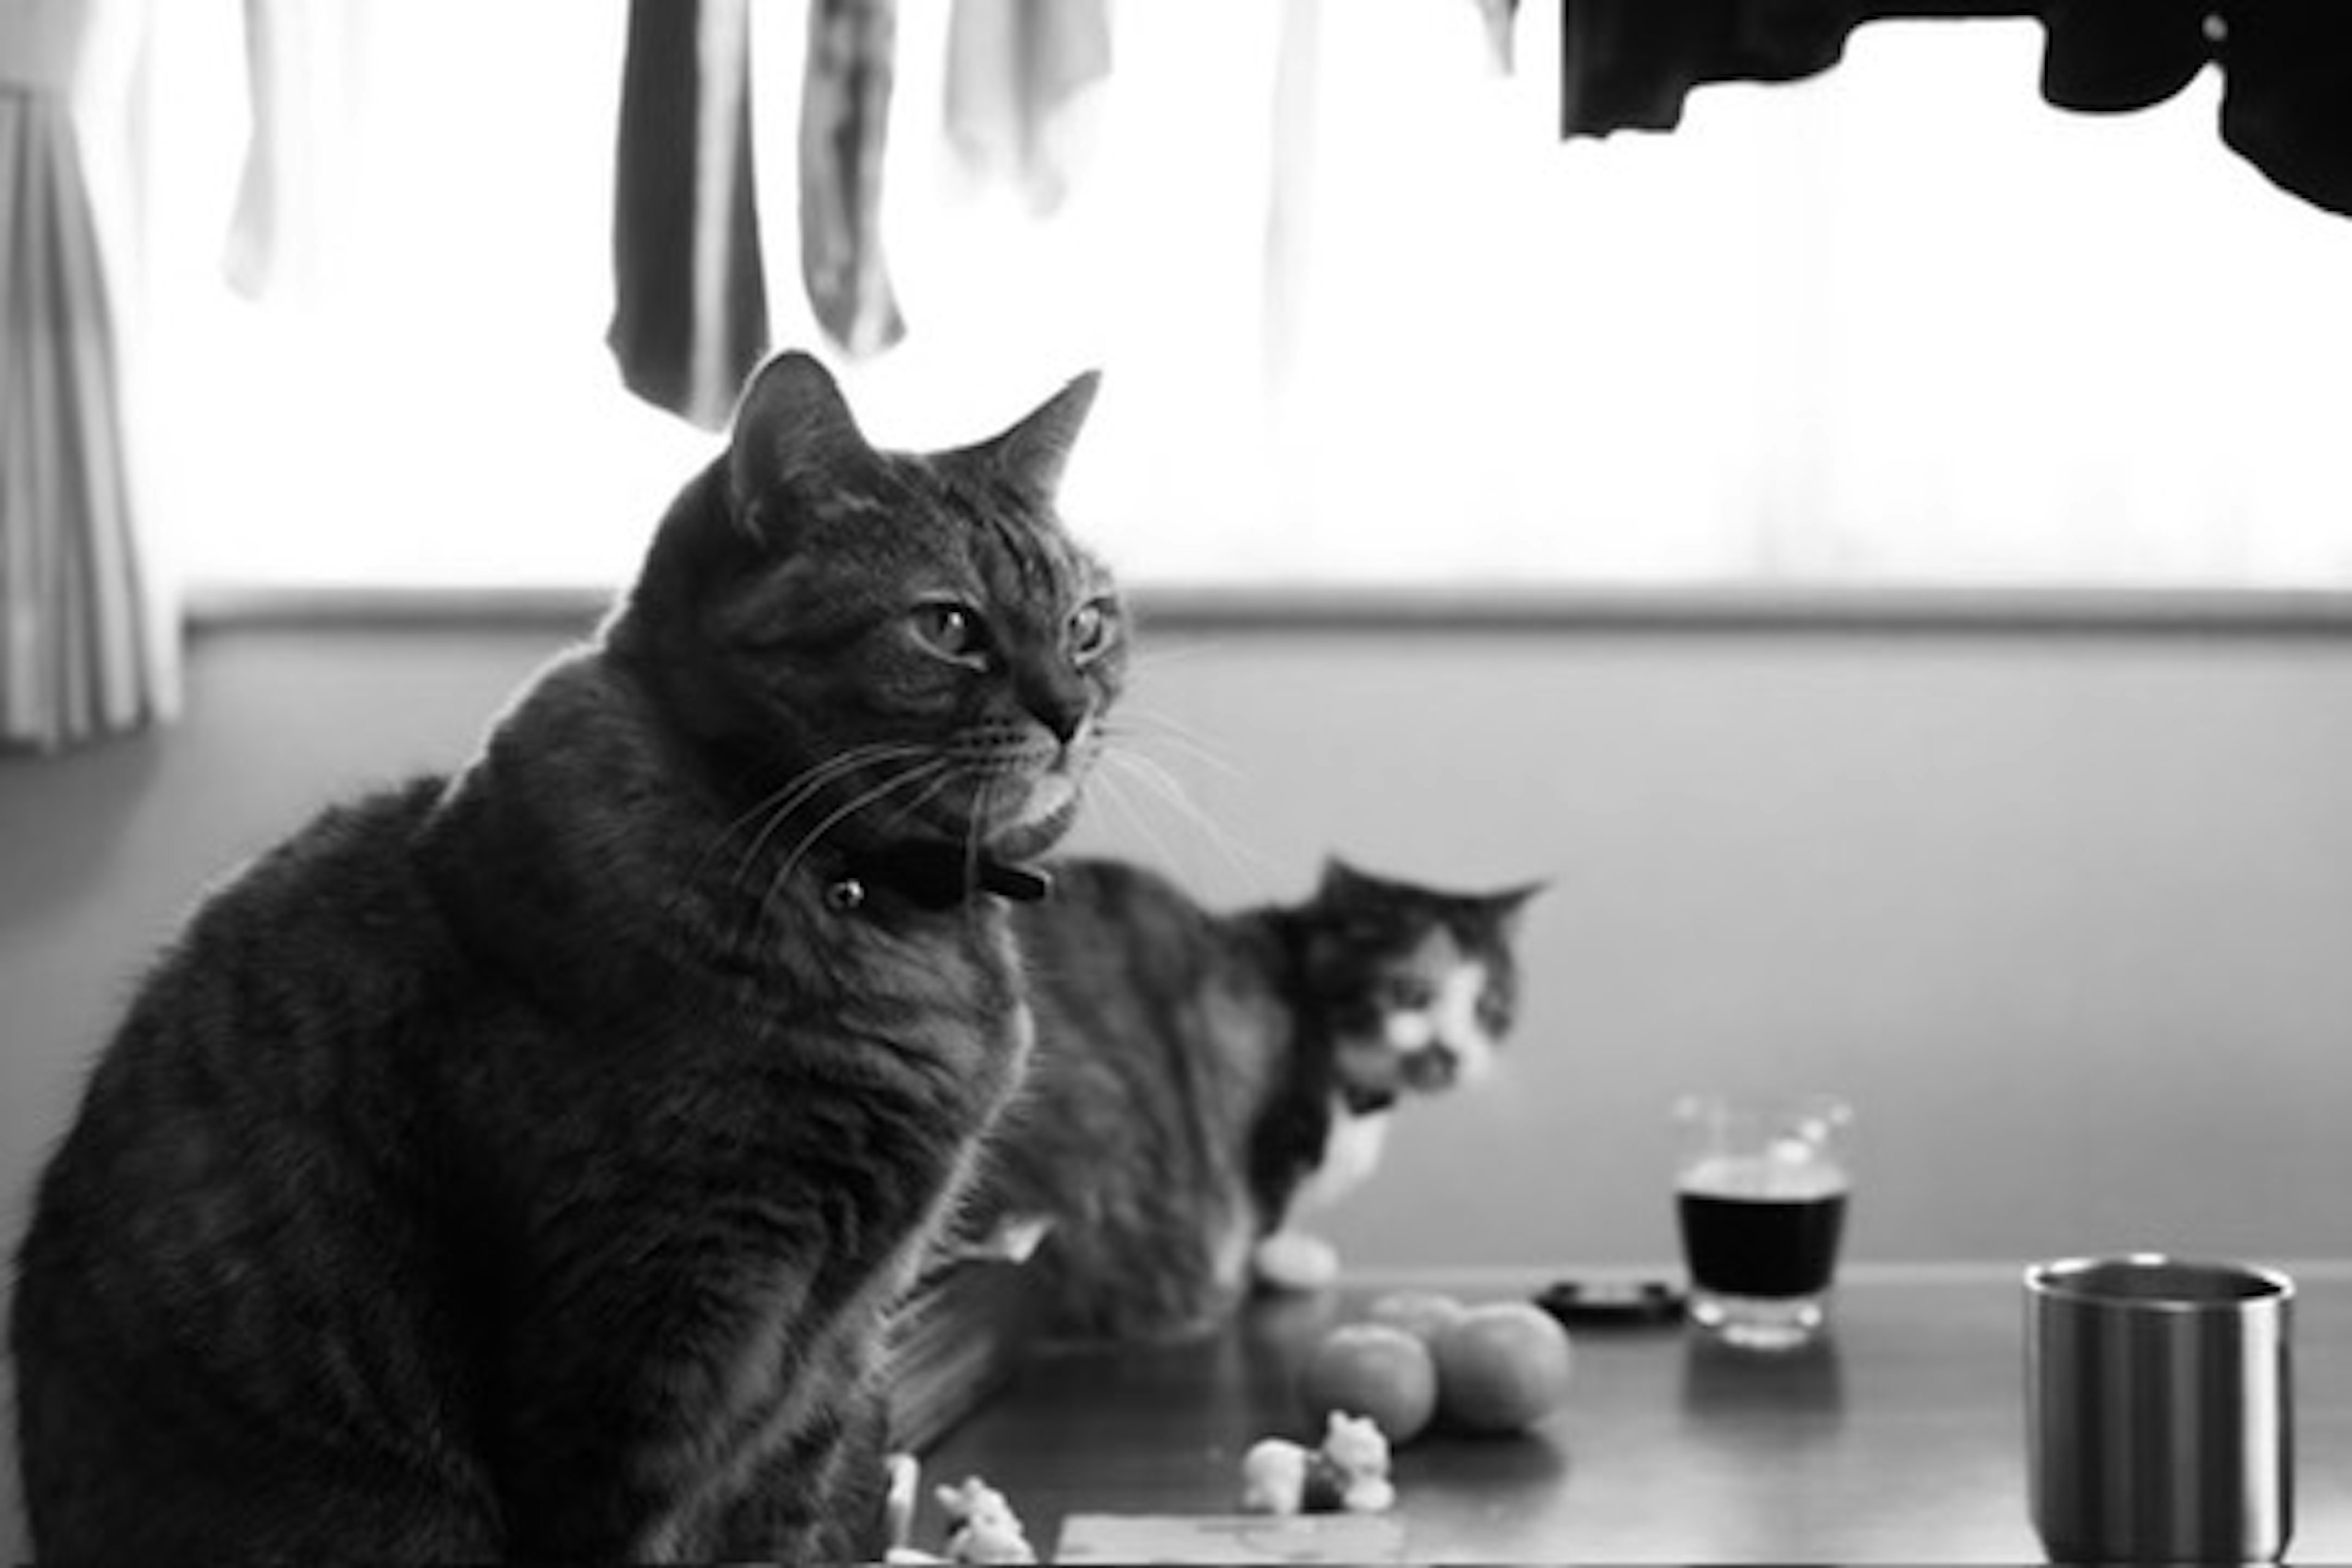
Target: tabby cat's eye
(1094,627)
(953,630)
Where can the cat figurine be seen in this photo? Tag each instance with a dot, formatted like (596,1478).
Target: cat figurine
(1201,1078)
(524,1163)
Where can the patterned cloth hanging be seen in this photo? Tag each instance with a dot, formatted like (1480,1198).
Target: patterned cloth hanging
(844,132)
(83,649)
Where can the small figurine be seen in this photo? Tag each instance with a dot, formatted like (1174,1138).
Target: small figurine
(1348,1473)
(1274,1476)
(1358,1452)
(984,1528)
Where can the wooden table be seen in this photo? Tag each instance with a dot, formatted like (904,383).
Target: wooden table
(1899,1438)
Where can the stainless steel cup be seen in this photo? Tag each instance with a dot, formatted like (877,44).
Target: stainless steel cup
(2158,1403)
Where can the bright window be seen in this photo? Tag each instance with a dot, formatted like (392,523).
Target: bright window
(1904,322)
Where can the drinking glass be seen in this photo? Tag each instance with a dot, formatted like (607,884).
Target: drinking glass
(1760,1187)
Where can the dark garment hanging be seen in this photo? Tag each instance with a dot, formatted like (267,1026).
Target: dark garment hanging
(844,129)
(2286,76)
(2112,56)
(1629,64)
(690,306)
(2286,65)
(2287,105)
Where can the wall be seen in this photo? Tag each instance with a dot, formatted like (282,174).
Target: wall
(2066,913)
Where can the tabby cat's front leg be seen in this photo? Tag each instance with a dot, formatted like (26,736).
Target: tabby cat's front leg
(819,1498)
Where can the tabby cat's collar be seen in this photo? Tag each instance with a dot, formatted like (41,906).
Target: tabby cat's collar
(934,876)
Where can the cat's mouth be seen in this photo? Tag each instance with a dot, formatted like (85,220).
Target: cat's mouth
(1054,796)
(1012,813)
(1040,820)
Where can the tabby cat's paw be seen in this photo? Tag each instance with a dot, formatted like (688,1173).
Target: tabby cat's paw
(1287,1260)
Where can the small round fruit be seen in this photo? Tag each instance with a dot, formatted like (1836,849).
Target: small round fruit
(1420,1313)
(1501,1367)
(1372,1369)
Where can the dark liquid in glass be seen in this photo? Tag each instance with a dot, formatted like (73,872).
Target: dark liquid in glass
(1761,1247)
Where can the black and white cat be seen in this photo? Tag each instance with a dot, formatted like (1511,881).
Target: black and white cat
(1202,1080)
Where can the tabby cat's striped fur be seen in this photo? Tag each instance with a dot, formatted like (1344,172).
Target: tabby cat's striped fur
(521,1165)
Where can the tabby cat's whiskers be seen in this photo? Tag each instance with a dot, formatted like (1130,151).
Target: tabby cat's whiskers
(1240,855)
(805,787)
(1158,726)
(1110,785)
(932,772)
(982,800)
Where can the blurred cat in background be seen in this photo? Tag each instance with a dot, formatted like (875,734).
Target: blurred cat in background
(1201,1078)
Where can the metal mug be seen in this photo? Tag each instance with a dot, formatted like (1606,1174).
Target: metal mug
(2160,1414)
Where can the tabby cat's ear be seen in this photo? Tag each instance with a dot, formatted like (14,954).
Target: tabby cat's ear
(1034,453)
(791,428)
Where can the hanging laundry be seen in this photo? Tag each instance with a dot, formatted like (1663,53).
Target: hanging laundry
(2286,65)
(306,92)
(1018,75)
(2104,56)
(2286,94)
(1500,19)
(690,307)
(1629,64)
(845,130)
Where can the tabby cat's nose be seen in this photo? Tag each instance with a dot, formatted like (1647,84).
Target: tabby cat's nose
(1064,711)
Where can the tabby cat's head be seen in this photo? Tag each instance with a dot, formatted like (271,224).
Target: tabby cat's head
(887,646)
(1417,987)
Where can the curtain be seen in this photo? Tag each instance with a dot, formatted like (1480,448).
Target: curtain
(2286,65)
(83,649)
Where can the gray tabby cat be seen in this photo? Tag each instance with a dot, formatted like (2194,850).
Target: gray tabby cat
(1203,1079)
(522,1164)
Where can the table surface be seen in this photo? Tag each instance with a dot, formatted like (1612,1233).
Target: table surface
(1900,1437)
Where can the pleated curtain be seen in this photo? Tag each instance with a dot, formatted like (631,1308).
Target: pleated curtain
(83,651)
